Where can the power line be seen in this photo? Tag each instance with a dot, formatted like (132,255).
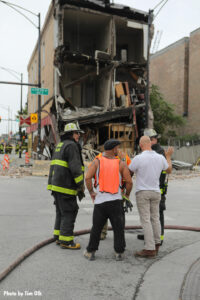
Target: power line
(161,8)
(158,4)
(11,5)
(10,71)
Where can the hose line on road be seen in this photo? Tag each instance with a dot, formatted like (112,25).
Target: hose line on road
(27,253)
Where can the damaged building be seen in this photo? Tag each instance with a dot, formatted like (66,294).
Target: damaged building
(95,54)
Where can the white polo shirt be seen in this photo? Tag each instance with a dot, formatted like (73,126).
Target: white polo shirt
(148,166)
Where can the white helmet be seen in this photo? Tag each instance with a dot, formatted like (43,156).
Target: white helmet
(70,127)
(151,133)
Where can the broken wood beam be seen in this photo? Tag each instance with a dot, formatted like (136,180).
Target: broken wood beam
(83,78)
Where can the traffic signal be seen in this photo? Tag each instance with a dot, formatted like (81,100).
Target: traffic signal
(0,119)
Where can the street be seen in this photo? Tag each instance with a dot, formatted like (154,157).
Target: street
(27,218)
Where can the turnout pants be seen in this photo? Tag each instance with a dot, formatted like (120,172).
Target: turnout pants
(112,210)
(162,219)
(66,212)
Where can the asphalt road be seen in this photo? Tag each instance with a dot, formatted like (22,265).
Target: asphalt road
(27,218)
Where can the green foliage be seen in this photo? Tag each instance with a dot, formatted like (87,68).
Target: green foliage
(165,119)
(24,111)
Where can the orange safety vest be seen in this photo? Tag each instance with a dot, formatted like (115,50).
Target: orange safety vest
(108,175)
(128,161)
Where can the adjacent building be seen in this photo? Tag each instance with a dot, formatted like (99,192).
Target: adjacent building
(176,70)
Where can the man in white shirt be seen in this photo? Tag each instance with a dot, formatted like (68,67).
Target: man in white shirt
(147,166)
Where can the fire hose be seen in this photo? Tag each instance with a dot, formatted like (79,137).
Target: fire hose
(30,251)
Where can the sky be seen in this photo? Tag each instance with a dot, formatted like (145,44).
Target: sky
(18,37)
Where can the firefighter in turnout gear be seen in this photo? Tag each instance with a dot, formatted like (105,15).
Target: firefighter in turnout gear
(66,181)
(163,182)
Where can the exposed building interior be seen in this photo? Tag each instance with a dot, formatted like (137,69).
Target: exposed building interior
(101,63)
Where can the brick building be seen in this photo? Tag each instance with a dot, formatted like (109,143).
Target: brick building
(47,78)
(176,71)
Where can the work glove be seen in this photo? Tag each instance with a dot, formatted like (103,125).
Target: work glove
(80,195)
(127,203)
(80,192)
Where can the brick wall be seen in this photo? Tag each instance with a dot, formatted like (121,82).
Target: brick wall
(167,70)
(176,70)
(194,83)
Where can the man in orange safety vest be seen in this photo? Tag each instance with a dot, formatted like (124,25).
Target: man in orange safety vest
(108,199)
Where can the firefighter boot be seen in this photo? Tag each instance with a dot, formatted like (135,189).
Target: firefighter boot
(71,246)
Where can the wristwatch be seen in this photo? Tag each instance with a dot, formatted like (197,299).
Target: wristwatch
(123,159)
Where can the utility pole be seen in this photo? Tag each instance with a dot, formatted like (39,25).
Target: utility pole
(39,84)
(20,129)
(16,8)
(150,20)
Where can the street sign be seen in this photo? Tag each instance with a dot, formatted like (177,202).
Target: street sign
(25,121)
(34,118)
(39,91)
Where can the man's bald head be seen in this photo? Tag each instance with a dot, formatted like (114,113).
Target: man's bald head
(145,143)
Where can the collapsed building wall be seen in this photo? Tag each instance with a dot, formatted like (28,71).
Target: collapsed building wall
(101,62)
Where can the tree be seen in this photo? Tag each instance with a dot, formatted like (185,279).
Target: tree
(166,121)
(24,111)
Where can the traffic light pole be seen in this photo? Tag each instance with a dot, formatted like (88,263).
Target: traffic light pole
(39,85)
(20,129)
(16,8)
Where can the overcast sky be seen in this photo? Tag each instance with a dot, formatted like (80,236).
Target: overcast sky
(18,37)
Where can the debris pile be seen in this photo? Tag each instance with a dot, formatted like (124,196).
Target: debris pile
(16,172)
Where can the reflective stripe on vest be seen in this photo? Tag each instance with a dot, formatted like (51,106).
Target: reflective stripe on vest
(66,238)
(78,179)
(59,162)
(61,190)
(109,175)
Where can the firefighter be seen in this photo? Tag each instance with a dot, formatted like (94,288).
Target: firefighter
(163,183)
(66,181)
(108,199)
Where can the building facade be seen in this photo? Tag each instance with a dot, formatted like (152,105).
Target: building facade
(94,62)
(47,79)
(176,71)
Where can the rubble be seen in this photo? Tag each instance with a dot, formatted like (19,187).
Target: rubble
(16,172)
